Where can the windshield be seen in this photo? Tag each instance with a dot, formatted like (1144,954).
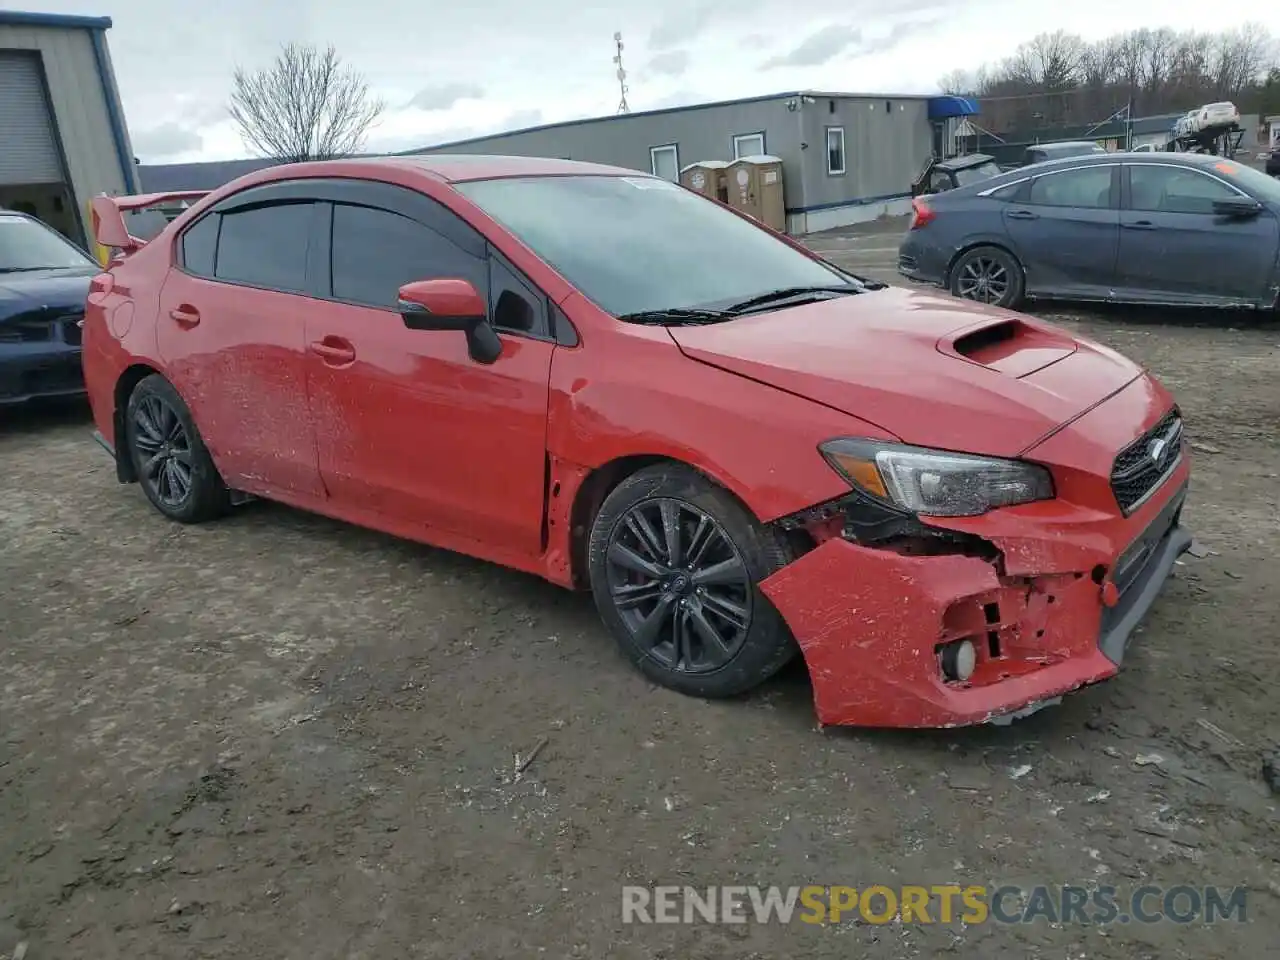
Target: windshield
(29,245)
(974,174)
(637,244)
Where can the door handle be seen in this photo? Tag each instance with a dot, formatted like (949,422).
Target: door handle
(1023,215)
(1139,225)
(186,315)
(334,351)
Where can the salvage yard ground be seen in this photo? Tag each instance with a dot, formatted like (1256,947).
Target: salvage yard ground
(280,737)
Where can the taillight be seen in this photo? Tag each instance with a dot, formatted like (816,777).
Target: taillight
(921,213)
(102,284)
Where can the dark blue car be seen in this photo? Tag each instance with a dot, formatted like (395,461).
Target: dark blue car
(1178,229)
(44,280)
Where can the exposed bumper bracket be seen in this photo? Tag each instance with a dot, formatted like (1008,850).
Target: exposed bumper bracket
(1142,593)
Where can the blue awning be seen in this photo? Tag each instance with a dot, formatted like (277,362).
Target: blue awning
(944,108)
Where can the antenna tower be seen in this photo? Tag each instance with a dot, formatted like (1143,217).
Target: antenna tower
(622,75)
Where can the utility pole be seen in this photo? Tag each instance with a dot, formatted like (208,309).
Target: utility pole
(622,76)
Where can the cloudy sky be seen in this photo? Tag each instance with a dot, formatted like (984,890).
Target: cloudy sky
(449,70)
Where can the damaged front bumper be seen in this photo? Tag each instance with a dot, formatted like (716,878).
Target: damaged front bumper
(1052,613)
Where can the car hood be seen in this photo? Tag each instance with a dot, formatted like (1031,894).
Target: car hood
(60,291)
(930,370)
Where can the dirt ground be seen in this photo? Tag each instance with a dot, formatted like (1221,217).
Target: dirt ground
(281,737)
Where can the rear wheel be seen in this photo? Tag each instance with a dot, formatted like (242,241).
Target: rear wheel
(674,562)
(988,275)
(169,457)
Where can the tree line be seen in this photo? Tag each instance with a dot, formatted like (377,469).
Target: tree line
(1059,78)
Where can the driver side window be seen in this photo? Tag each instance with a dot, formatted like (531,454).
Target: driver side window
(375,252)
(1166,189)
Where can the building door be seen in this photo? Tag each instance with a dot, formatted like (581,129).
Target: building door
(31,171)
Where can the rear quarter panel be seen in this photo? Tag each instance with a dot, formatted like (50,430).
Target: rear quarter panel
(962,223)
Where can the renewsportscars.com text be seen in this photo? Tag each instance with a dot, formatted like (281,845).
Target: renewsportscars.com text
(974,904)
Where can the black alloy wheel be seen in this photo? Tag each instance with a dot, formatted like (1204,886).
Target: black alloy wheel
(988,275)
(674,562)
(169,457)
(165,462)
(679,584)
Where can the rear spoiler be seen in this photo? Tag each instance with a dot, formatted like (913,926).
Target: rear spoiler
(107,214)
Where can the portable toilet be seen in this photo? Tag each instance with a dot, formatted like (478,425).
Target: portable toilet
(707,177)
(755,188)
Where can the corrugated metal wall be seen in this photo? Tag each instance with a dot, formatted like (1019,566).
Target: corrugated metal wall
(79,106)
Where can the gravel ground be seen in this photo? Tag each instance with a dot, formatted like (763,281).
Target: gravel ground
(280,737)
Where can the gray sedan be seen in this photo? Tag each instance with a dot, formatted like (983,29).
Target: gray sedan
(1184,229)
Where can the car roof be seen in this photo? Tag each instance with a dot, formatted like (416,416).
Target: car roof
(452,167)
(1063,145)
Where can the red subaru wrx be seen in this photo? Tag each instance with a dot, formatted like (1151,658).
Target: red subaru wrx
(955,514)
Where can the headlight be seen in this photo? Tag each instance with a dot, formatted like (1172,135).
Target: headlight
(934,482)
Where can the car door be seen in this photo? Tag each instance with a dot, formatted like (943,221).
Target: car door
(409,426)
(1175,249)
(231,329)
(1065,228)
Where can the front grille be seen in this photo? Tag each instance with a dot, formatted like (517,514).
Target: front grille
(1144,464)
(26,331)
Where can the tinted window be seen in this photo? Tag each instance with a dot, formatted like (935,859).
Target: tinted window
(512,303)
(1008,191)
(1087,187)
(265,246)
(376,252)
(1174,190)
(199,244)
(632,244)
(1261,185)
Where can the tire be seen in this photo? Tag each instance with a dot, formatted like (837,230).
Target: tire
(1005,281)
(713,588)
(164,445)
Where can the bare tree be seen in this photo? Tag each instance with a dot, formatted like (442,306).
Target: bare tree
(958,83)
(305,106)
(1058,79)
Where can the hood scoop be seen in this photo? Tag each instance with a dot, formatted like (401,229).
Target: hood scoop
(1011,346)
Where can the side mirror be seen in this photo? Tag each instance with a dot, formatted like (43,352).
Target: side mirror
(451,304)
(1238,207)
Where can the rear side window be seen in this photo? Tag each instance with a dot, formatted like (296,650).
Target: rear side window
(376,252)
(200,245)
(1008,191)
(1089,187)
(265,246)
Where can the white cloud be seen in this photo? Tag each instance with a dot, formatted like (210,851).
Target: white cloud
(174,62)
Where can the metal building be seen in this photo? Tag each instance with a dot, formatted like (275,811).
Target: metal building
(845,157)
(62,134)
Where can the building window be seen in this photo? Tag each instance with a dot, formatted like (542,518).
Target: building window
(664,162)
(835,151)
(748,145)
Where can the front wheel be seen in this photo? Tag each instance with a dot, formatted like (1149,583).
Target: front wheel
(169,457)
(988,275)
(674,562)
